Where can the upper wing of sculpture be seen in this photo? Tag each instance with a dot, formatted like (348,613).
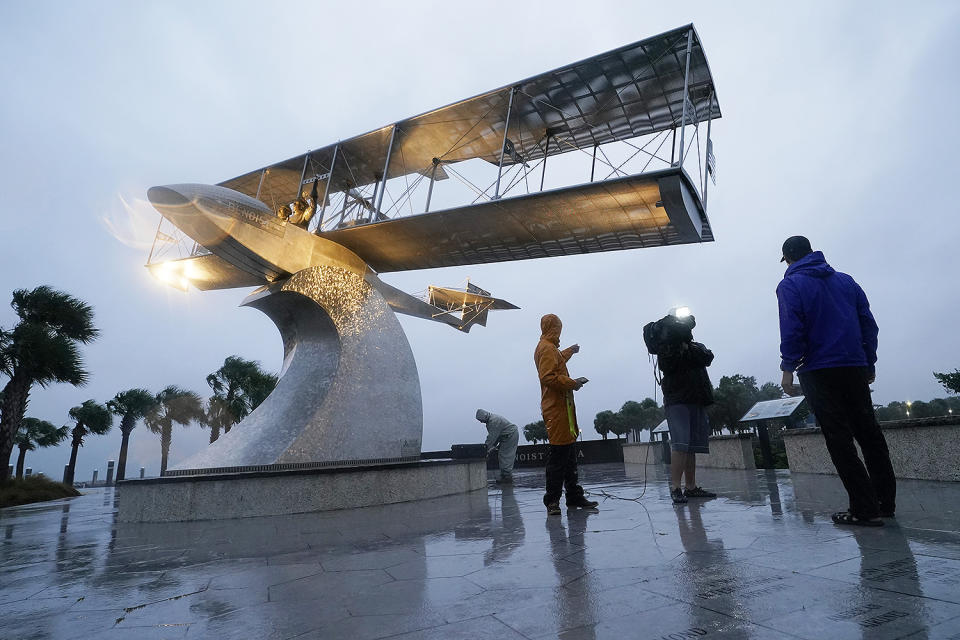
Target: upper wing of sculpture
(635,90)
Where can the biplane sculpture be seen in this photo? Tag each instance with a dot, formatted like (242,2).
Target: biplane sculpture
(315,232)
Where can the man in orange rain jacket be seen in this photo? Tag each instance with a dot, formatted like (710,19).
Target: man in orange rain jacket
(559,416)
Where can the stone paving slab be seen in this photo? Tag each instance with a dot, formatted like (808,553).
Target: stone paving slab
(763,561)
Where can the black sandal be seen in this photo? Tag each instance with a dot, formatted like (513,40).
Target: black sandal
(845,517)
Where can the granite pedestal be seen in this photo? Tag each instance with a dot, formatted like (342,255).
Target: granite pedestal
(214,496)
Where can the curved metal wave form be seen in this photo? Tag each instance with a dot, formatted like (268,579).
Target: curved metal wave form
(348,389)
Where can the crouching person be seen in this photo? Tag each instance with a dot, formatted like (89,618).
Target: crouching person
(504,436)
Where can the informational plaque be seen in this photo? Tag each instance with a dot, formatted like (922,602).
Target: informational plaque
(768,409)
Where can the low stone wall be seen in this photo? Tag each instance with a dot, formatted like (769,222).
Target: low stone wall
(588,452)
(726,452)
(245,495)
(925,449)
(643,453)
(729,452)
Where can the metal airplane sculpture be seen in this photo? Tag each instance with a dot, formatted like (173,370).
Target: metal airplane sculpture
(326,223)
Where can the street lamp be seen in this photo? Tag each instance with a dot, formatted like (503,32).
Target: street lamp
(909,404)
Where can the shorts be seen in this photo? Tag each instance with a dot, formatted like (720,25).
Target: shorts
(689,428)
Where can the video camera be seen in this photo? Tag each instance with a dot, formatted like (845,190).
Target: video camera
(670,330)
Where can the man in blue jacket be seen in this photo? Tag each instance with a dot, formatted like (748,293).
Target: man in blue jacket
(829,337)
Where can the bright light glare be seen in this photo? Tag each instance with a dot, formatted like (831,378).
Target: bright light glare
(681,312)
(171,273)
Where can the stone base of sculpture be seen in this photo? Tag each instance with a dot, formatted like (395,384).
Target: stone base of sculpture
(270,493)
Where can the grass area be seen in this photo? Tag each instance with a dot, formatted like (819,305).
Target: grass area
(28,490)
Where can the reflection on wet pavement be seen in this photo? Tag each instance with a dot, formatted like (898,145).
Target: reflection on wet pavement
(761,561)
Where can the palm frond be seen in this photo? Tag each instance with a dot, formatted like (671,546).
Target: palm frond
(45,356)
(67,315)
(132,402)
(92,416)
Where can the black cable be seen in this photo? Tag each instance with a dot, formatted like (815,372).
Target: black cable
(606,495)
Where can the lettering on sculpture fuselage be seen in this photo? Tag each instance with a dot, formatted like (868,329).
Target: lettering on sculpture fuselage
(251,216)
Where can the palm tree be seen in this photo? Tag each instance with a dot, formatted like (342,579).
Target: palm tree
(91,417)
(239,386)
(35,433)
(173,405)
(40,349)
(130,405)
(215,416)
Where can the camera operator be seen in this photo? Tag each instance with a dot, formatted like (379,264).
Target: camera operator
(687,392)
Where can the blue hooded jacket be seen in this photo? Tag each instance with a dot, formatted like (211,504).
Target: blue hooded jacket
(825,319)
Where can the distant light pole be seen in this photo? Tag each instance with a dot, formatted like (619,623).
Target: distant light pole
(909,404)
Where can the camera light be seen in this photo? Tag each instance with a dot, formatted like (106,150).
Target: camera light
(681,312)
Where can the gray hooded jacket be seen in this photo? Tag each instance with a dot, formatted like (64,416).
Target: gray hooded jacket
(496,427)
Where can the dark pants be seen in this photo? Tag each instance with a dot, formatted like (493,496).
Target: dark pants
(840,398)
(562,474)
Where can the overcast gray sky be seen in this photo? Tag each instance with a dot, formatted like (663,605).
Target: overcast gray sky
(839,123)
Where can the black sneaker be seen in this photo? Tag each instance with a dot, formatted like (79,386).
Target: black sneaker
(553,509)
(698,492)
(582,503)
(677,496)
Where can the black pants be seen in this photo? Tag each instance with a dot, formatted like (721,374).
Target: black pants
(840,398)
(562,474)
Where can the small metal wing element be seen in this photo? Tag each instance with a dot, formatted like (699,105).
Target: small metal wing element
(471,304)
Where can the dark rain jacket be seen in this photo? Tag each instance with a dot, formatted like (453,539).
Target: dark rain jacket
(825,318)
(556,385)
(685,380)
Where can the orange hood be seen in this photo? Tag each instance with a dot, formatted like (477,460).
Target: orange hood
(550,327)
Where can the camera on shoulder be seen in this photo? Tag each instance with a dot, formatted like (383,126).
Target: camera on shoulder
(669,331)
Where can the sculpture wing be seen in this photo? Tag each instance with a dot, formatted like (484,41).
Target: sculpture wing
(631,91)
(647,210)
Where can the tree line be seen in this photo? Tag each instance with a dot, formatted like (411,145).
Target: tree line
(42,348)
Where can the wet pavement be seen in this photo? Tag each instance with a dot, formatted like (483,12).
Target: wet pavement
(761,561)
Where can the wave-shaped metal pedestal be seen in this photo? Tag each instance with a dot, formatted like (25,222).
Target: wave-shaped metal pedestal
(349,389)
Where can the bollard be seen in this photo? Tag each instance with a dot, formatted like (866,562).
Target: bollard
(66,473)
(93,482)
(109,472)
(28,472)
(141,471)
